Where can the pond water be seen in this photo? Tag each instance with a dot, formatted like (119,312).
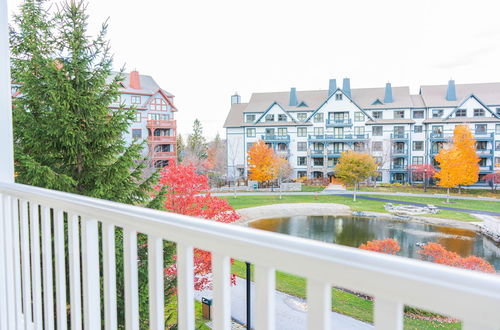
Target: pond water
(354,231)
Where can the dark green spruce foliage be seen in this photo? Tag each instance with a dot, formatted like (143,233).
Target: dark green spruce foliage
(66,137)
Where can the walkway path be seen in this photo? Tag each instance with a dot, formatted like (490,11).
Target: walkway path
(291,312)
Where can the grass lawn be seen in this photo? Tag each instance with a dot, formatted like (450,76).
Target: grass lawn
(342,302)
(434,190)
(366,205)
(312,188)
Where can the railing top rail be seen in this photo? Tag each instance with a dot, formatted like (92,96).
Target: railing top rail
(417,283)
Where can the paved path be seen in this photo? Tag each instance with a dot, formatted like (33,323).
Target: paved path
(291,312)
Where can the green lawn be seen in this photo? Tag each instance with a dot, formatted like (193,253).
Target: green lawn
(433,190)
(342,302)
(312,188)
(366,205)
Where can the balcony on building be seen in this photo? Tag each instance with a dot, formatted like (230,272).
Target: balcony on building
(268,138)
(334,153)
(347,122)
(339,138)
(399,168)
(484,136)
(438,136)
(317,152)
(399,136)
(161,124)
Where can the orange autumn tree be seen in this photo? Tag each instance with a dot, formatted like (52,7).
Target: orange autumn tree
(354,167)
(388,246)
(447,175)
(262,162)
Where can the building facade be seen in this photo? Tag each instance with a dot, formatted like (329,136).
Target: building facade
(312,128)
(154,120)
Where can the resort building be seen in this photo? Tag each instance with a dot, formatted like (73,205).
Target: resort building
(312,128)
(154,119)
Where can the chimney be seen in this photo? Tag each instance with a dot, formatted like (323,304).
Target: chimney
(332,87)
(235,99)
(346,87)
(388,93)
(293,97)
(451,93)
(135,81)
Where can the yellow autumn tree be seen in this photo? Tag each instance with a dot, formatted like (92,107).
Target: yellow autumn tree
(261,162)
(354,167)
(447,175)
(465,144)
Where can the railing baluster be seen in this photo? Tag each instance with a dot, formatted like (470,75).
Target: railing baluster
(265,295)
(74,272)
(60,269)
(17,263)
(131,279)
(9,261)
(25,257)
(388,314)
(35,266)
(155,281)
(90,272)
(319,303)
(109,267)
(221,291)
(185,286)
(4,316)
(48,293)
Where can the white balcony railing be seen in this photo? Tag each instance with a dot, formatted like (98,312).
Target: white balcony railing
(28,262)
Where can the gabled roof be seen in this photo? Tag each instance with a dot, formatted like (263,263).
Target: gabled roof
(435,95)
(345,95)
(471,96)
(235,117)
(269,108)
(147,83)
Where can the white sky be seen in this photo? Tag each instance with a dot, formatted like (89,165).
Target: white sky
(203,51)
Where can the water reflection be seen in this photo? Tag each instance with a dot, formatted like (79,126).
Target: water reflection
(354,231)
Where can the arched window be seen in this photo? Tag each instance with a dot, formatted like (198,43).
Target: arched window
(158,104)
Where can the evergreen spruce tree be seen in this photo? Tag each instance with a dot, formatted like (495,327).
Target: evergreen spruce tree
(196,144)
(180,147)
(66,136)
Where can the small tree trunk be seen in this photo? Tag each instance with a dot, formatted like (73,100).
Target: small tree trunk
(354,194)
(425,182)
(459,190)
(447,195)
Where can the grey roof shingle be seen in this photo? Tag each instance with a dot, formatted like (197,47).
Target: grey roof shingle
(434,95)
(147,83)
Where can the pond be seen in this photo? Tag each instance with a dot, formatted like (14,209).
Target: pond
(354,231)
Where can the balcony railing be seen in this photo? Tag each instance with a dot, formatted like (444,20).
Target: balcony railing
(399,136)
(171,139)
(399,168)
(344,137)
(486,168)
(339,122)
(485,152)
(484,136)
(317,153)
(164,154)
(33,262)
(335,153)
(276,138)
(437,136)
(161,123)
(399,152)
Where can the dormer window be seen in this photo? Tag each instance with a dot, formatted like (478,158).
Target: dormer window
(250,118)
(269,117)
(301,116)
(479,112)
(338,97)
(282,118)
(437,113)
(158,104)
(461,113)
(135,100)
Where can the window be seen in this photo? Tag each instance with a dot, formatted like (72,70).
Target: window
(301,116)
(481,145)
(158,116)
(478,112)
(437,113)
(418,145)
(377,114)
(437,130)
(301,161)
(301,174)
(497,129)
(417,129)
(269,131)
(136,133)
(498,111)
(301,131)
(497,145)
(137,117)
(377,145)
(377,130)
(282,131)
(135,100)
(318,131)
(338,97)
(301,146)
(318,118)
(399,130)
(399,114)
(418,114)
(318,161)
(359,116)
(269,117)
(480,128)
(250,118)
(158,104)
(249,145)
(417,160)
(250,132)
(497,160)
(483,161)
(359,130)
(359,146)
(461,113)
(282,118)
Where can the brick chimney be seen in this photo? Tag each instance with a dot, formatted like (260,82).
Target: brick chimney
(135,81)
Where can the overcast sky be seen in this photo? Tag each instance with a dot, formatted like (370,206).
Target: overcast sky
(203,51)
